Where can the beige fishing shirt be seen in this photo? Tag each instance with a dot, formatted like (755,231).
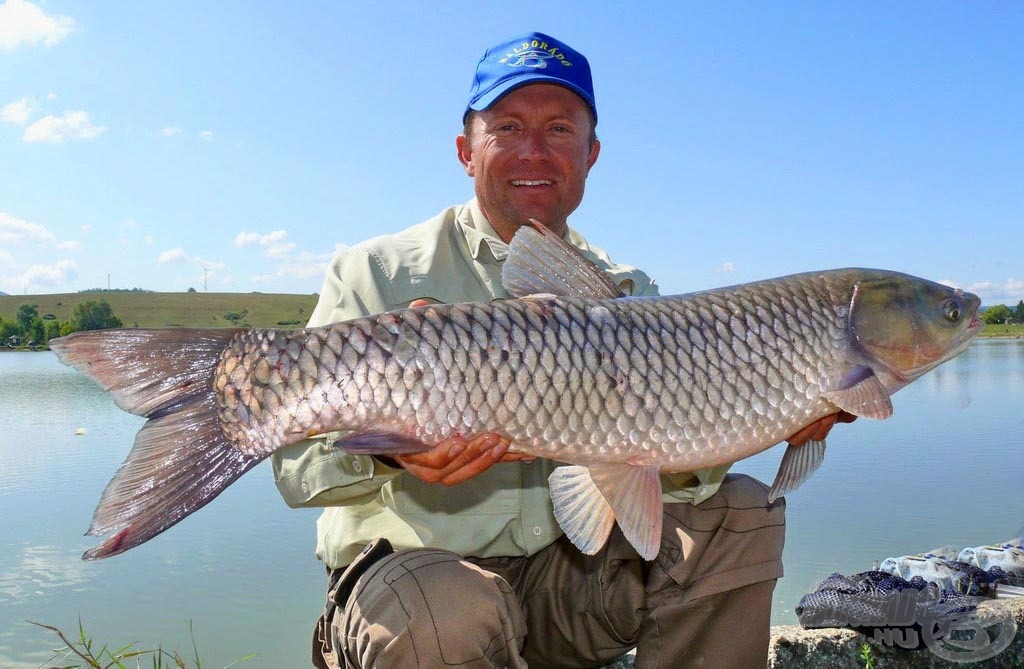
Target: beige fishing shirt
(455,256)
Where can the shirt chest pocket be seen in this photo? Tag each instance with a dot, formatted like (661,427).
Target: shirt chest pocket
(449,290)
(496,491)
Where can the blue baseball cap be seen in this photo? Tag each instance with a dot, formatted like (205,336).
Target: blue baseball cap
(533,58)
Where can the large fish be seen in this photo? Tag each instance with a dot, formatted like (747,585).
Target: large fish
(621,389)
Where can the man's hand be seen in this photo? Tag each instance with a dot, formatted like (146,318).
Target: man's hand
(820,428)
(457,459)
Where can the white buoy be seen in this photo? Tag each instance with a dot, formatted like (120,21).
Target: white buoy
(80,431)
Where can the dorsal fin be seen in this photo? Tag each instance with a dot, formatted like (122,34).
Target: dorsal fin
(539,261)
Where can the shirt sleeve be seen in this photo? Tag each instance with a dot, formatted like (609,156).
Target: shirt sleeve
(315,473)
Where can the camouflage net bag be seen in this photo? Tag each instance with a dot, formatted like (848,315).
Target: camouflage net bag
(880,604)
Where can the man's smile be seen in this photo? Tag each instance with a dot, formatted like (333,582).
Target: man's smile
(532,182)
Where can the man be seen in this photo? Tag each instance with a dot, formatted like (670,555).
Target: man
(484,577)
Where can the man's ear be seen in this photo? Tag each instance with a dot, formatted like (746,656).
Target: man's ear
(465,153)
(595,150)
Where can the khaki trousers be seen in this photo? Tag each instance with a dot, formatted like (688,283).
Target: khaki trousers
(705,601)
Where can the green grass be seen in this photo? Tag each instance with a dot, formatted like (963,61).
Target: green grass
(85,652)
(159,310)
(1015,330)
(210,310)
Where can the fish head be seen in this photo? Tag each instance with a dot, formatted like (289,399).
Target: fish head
(910,325)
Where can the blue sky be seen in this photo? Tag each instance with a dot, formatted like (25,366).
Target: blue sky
(237,145)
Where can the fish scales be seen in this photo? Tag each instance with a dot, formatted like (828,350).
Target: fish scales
(628,390)
(620,390)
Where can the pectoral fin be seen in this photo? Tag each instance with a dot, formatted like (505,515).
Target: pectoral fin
(586,501)
(858,391)
(798,463)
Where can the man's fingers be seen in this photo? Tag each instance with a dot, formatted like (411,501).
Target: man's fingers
(456,459)
(817,430)
(820,428)
(845,417)
(481,460)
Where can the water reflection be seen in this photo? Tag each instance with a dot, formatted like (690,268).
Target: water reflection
(941,471)
(31,570)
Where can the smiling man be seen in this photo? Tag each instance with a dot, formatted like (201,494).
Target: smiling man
(483,576)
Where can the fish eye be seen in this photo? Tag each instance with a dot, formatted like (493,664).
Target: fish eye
(951,309)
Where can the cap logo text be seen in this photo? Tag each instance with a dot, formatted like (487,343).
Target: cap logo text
(534,54)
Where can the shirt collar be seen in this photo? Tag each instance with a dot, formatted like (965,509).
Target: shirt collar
(480,236)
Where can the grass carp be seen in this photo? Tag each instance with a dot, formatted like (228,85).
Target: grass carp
(621,389)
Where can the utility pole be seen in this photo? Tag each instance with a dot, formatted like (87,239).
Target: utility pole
(205,270)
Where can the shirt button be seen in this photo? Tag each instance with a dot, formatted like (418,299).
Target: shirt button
(305,487)
(537,531)
(356,465)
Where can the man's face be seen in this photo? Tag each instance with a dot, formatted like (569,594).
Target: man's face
(529,156)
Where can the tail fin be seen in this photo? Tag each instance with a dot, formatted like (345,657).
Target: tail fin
(181,459)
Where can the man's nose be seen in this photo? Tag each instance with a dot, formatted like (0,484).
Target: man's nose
(534,145)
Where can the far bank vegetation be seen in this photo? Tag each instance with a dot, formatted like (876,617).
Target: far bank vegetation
(30,321)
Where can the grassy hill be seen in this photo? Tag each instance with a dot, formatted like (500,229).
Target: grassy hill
(159,310)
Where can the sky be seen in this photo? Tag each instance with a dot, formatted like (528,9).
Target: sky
(235,146)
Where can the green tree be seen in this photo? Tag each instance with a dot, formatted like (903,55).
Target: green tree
(996,314)
(8,329)
(51,330)
(26,314)
(94,315)
(1018,313)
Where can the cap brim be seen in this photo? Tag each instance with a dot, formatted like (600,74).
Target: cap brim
(490,97)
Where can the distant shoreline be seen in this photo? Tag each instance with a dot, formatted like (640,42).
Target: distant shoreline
(45,349)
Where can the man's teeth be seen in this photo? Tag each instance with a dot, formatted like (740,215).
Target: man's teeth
(531,182)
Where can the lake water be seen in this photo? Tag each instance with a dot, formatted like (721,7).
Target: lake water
(944,470)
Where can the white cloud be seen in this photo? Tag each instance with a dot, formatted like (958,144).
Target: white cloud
(206,135)
(1008,292)
(55,129)
(172,255)
(170,131)
(86,229)
(14,230)
(304,265)
(69,245)
(23,22)
(5,256)
(727,267)
(56,274)
(273,243)
(17,112)
(211,269)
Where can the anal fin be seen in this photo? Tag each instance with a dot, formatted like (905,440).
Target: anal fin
(798,463)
